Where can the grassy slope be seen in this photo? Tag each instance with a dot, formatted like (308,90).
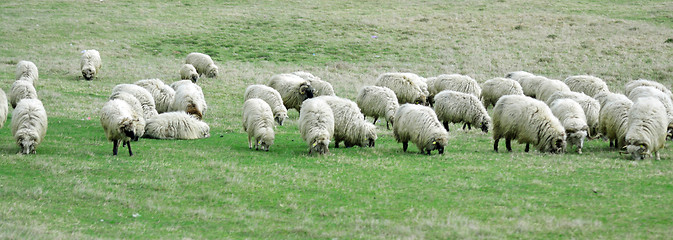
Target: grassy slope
(216,187)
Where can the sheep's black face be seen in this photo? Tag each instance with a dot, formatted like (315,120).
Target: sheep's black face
(440,149)
(371,142)
(558,146)
(280,118)
(484,127)
(87,74)
(195,77)
(309,92)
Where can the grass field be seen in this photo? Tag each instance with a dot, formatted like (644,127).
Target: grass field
(217,188)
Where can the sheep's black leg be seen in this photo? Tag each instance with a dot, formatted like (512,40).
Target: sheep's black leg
(527,147)
(495,144)
(446,125)
(115,147)
(469,126)
(387,125)
(612,145)
(129,145)
(336,144)
(464,125)
(508,144)
(376,118)
(404,146)
(427,151)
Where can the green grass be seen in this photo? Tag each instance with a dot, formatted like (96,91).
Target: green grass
(218,188)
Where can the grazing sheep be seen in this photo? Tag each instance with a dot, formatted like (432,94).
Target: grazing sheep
(529,121)
(21,89)
(378,102)
(419,125)
(188,72)
(203,63)
(530,85)
(121,124)
(549,87)
(628,87)
(189,98)
(458,83)
(90,64)
(350,125)
(316,125)
(613,121)
(573,120)
(456,107)
(646,128)
(271,97)
(131,100)
(292,88)
(586,84)
(647,91)
(408,87)
(517,75)
(258,123)
(493,89)
(590,106)
(320,87)
(26,70)
(176,125)
(29,124)
(144,96)
(162,94)
(4,108)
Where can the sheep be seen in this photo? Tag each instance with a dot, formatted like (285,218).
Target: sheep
(90,64)
(573,120)
(189,98)
(4,108)
(419,124)
(162,94)
(590,106)
(271,97)
(320,87)
(29,124)
(613,120)
(432,91)
(176,125)
(258,123)
(517,75)
(456,107)
(131,100)
(292,88)
(408,87)
(458,83)
(121,124)
(493,89)
(646,128)
(21,89)
(378,102)
(26,70)
(203,63)
(144,96)
(530,84)
(607,97)
(628,87)
(188,72)
(529,121)
(350,125)
(316,125)
(586,84)
(647,91)
(549,87)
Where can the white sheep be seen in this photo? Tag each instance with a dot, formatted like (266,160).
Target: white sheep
(350,125)
(419,124)
(573,120)
(258,123)
(648,91)
(590,106)
(316,125)
(646,128)
(203,63)
(271,97)
(131,100)
(456,107)
(26,70)
(292,88)
(493,89)
(320,87)
(408,87)
(144,96)
(529,121)
(530,84)
(4,108)
(90,64)
(189,98)
(188,72)
(586,84)
(121,124)
(458,83)
(549,87)
(378,102)
(176,125)
(21,89)
(613,119)
(432,91)
(628,87)
(29,124)
(162,94)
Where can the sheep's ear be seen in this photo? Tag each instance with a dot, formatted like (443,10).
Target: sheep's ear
(314,144)
(642,146)
(302,89)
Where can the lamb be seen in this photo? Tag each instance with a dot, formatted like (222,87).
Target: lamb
(21,89)
(419,124)
(162,94)
(29,124)
(378,102)
(271,97)
(573,120)
(258,123)
(292,88)
(590,106)
(643,82)
(189,98)
(350,125)
(144,96)
(646,128)
(549,87)
(586,84)
(529,121)
(121,123)
(493,89)
(646,91)
(408,87)
(320,87)
(188,72)
(530,84)
(203,63)
(4,109)
(613,121)
(316,125)
(456,107)
(458,83)
(26,70)
(176,125)
(90,64)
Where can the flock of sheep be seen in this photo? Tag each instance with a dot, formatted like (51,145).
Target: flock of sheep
(531,109)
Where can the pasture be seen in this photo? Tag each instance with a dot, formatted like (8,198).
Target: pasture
(218,188)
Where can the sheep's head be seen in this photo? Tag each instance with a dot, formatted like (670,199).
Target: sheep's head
(305,89)
(27,141)
(280,118)
(370,137)
(576,137)
(421,101)
(212,71)
(193,110)
(128,128)
(194,77)
(436,144)
(637,151)
(485,124)
(205,132)
(320,146)
(88,73)
(265,143)
(558,144)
